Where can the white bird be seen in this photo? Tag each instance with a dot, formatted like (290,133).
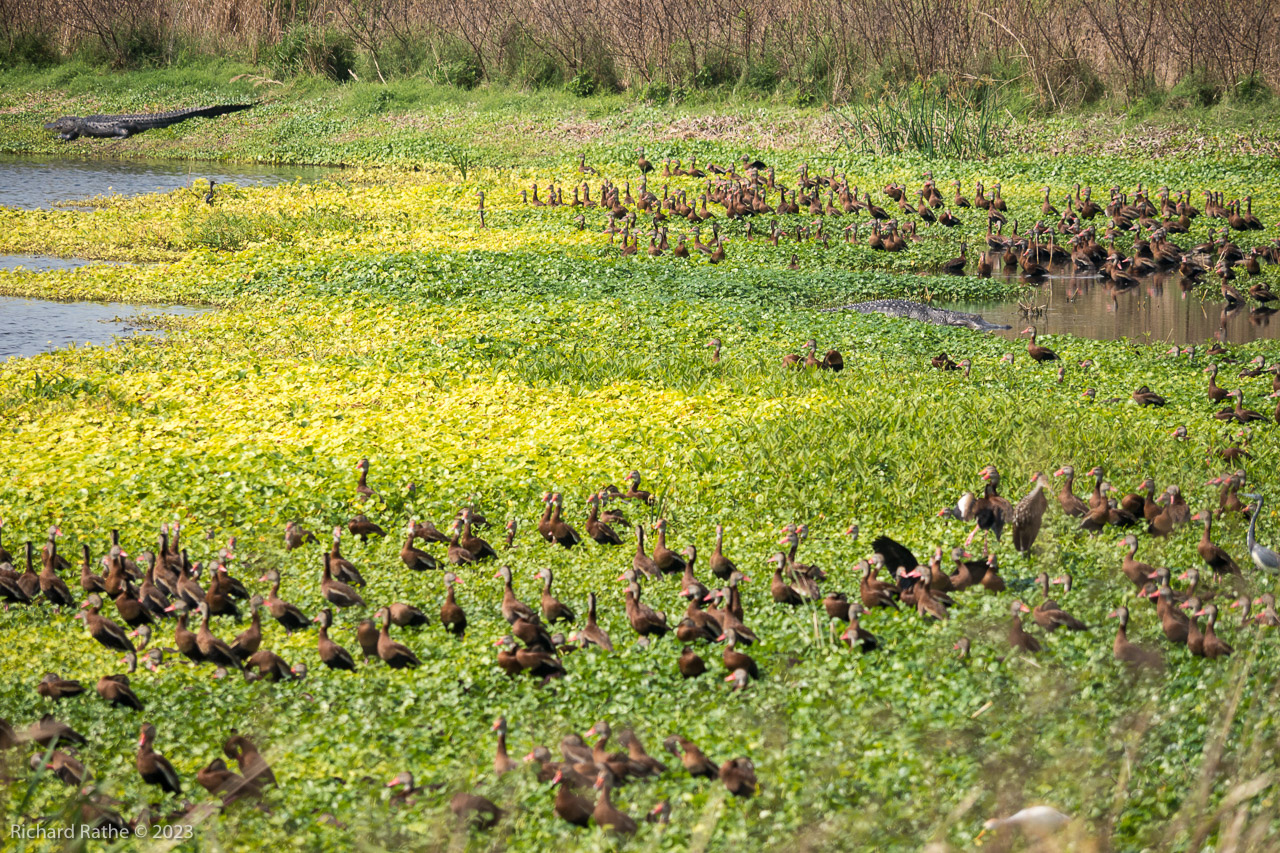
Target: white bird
(1039,821)
(1263,557)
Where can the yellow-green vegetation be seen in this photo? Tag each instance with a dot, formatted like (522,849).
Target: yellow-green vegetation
(372,316)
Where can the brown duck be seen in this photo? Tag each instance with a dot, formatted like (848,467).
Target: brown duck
(393,654)
(153,767)
(1018,637)
(332,655)
(452,616)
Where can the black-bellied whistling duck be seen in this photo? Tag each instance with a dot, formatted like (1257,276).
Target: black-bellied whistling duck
(295,536)
(102,629)
(222,782)
(640,758)
(544,523)
(968,572)
(783,592)
(562,533)
(252,765)
(1216,394)
(1028,514)
(962,646)
(714,343)
(415,558)
(47,729)
(1018,637)
(740,678)
(134,612)
(115,688)
(991,510)
(5,556)
(1268,618)
(1037,352)
(691,757)
(734,659)
(212,649)
(837,606)
(218,596)
(407,616)
(332,655)
(1172,620)
(343,569)
(1245,605)
(874,592)
(691,665)
(1049,615)
(570,806)
(721,566)
(926,603)
(474,810)
(511,528)
(393,654)
(362,527)
(598,530)
(54,687)
(502,763)
(90,582)
(1214,646)
(855,633)
(52,587)
(592,633)
(452,616)
(1067,499)
(64,767)
(1195,639)
(1214,557)
(739,777)
(367,637)
(29,581)
(363,491)
(479,548)
(553,610)
(189,588)
(642,562)
(288,615)
(458,555)
(185,639)
(644,619)
(512,607)
(991,580)
(49,552)
(1135,570)
(428,532)
(634,492)
(666,560)
(153,767)
(1128,652)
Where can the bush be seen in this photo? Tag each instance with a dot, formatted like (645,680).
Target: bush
(656,91)
(1251,90)
(717,69)
(1196,89)
(525,63)
(762,75)
(315,50)
(582,84)
(35,49)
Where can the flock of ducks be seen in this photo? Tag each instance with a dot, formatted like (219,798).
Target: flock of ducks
(1148,220)
(165,584)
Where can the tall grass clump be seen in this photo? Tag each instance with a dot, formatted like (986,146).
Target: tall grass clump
(925,122)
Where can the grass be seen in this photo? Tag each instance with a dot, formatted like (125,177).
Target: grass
(370,316)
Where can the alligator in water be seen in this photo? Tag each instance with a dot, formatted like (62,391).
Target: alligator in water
(923,313)
(121,126)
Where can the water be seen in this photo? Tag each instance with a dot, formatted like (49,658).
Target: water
(32,326)
(33,183)
(45,263)
(1161,308)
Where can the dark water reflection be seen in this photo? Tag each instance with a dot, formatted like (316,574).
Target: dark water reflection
(1161,308)
(33,183)
(32,326)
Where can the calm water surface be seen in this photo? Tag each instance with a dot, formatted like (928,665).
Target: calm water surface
(32,326)
(1161,308)
(33,183)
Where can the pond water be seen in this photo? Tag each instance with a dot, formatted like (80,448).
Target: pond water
(33,183)
(45,263)
(1161,308)
(32,326)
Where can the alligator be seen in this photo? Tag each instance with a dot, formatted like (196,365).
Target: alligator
(923,313)
(122,126)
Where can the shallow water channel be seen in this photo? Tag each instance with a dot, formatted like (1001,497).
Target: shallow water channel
(33,183)
(1161,308)
(32,326)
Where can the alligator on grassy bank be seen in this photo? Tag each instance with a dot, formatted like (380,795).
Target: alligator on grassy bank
(122,126)
(923,313)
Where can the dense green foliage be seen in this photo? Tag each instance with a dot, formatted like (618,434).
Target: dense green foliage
(370,316)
